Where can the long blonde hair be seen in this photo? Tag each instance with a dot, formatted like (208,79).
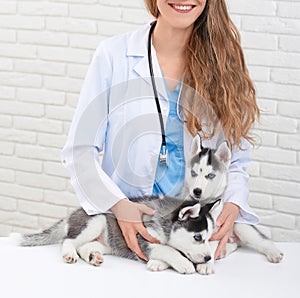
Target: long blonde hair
(215,68)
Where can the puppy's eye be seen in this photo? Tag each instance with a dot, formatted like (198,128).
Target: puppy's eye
(193,173)
(210,176)
(198,237)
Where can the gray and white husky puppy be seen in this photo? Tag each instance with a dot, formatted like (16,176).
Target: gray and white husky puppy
(180,226)
(183,225)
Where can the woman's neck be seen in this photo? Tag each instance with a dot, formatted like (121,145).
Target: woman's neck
(170,41)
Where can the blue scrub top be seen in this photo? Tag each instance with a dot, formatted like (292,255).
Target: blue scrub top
(169,179)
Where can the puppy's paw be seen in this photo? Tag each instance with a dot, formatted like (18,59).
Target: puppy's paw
(205,269)
(70,258)
(274,255)
(156,265)
(95,258)
(184,266)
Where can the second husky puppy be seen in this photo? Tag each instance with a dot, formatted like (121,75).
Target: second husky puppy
(181,227)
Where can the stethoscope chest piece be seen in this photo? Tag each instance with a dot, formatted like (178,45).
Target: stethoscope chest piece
(163,156)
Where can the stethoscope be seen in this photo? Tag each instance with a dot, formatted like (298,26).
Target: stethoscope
(163,156)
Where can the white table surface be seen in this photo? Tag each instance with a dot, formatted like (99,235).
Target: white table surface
(40,272)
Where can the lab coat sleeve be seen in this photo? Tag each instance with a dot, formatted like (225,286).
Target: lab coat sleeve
(237,191)
(95,190)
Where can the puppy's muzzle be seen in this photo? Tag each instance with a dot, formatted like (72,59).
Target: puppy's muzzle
(206,259)
(197,192)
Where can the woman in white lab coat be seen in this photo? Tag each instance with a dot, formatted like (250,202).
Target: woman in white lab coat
(194,43)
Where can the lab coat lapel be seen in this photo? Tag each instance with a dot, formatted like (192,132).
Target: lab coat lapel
(138,47)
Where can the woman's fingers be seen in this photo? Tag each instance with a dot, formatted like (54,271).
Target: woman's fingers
(225,221)
(225,229)
(146,210)
(130,231)
(222,218)
(144,233)
(129,216)
(132,243)
(221,246)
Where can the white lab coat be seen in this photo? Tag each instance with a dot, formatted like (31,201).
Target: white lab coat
(117,114)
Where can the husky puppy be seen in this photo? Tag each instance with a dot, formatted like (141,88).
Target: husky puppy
(206,180)
(181,225)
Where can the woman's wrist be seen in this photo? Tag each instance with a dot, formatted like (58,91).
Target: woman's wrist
(119,205)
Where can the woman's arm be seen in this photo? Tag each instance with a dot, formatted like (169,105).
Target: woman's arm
(94,189)
(236,208)
(237,191)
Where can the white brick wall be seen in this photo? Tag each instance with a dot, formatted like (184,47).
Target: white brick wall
(45,49)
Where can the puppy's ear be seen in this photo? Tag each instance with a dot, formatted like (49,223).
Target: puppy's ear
(196,145)
(189,211)
(223,153)
(214,209)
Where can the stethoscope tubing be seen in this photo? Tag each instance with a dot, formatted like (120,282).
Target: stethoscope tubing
(162,127)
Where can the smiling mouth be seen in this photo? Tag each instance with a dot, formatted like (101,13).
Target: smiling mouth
(182,8)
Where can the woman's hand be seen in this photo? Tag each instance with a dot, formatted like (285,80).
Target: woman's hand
(225,223)
(129,217)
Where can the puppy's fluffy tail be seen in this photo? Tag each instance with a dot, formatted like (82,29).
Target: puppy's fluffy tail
(51,235)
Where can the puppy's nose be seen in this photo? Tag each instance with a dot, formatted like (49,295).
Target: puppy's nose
(197,192)
(207,258)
